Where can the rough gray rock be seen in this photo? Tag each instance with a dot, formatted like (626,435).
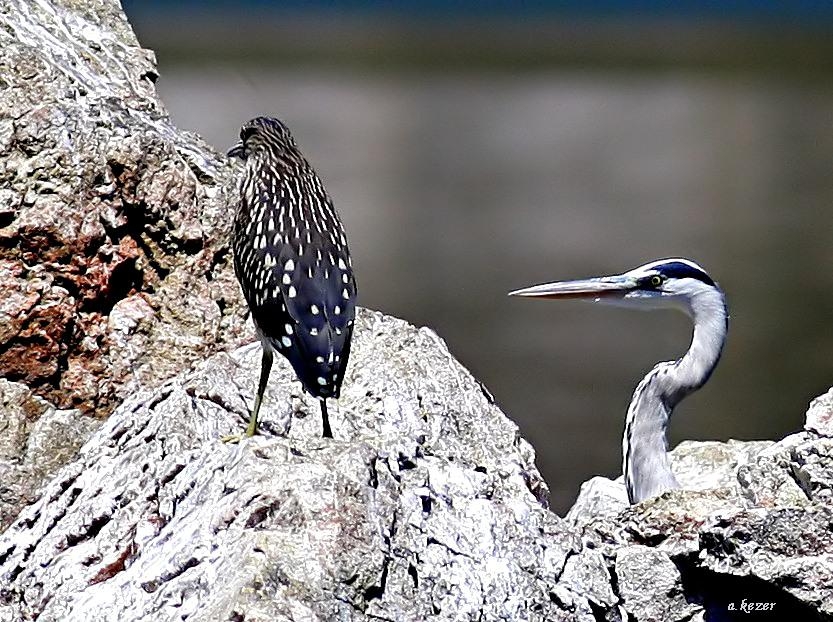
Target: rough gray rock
(36,439)
(109,215)
(427,504)
(820,415)
(113,224)
(753,526)
(645,572)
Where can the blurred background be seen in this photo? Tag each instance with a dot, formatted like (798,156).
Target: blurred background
(474,147)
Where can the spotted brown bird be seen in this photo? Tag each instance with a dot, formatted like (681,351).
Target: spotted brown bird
(292,262)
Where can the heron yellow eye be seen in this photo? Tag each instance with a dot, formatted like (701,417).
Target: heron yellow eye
(656,280)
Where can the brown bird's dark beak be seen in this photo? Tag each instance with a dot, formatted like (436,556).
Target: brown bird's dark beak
(237,151)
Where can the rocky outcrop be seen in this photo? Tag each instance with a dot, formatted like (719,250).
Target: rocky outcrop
(752,533)
(36,439)
(107,213)
(426,505)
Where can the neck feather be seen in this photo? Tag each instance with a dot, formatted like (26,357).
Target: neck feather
(646,466)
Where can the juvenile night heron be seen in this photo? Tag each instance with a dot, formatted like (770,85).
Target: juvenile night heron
(667,283)
(291,258)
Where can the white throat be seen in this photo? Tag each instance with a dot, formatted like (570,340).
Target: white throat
(645,463)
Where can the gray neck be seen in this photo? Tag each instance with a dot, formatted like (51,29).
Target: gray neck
(645,461)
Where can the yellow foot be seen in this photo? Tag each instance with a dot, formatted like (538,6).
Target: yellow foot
(236,438)
(232,438)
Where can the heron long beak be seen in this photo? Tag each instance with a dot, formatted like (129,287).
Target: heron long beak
(237,151)
(593,289)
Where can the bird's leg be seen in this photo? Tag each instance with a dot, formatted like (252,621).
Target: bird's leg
(251,430)
(328,433)
(265,368)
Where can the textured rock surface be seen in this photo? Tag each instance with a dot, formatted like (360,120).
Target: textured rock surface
(35,441)
(426,505)
(107,213)
(754,527)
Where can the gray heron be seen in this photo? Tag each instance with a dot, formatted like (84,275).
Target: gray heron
(667,283)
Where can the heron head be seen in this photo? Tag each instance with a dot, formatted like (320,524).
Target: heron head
(260,135)
(666,283)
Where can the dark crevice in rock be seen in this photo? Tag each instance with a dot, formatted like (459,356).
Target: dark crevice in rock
(373,478)
(614,578)
(219,258)
(600,614)
(190,563)
(181,495)
(486,393)
(158,397)
(377,591)
(394,474)
(351,579)
(136,230)
(412,571)
(196,394)
(125,279)
(118,433)
(15,572)
(652,540)
(170,475)
(4,556)
(69,342)
(537,487)
(27,523)
(96,525)
(92,559)
(727,598)
(431,540)
(798,476)
(570,554)
(426,504)
(260,514)
(405,463)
